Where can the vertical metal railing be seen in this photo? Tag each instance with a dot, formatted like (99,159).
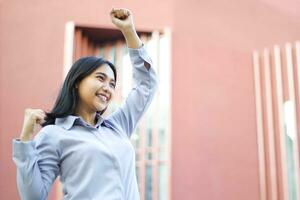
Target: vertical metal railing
(259,125)
(277,81)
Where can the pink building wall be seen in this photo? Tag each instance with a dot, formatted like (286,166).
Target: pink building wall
(214,148)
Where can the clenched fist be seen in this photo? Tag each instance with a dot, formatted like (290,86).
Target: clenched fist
(122,18)
(32,118)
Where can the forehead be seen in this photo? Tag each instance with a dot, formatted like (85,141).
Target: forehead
(105,69)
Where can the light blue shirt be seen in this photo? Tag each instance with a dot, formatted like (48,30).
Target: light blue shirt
(93,162)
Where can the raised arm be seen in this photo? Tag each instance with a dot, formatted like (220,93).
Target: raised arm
(144,77)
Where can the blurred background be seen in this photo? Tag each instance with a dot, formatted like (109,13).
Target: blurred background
(224,124)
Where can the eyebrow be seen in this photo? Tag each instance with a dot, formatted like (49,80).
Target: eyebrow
(101,73)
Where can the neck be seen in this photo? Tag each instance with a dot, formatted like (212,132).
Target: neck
(88,117)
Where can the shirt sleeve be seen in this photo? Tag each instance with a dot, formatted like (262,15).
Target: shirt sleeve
(140,96)
(37,166)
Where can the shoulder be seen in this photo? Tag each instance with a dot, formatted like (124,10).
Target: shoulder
(108,122)
(48,134)
(51,130)
(48,140)
(111,124)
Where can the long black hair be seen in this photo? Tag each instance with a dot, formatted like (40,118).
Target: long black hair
(67,99)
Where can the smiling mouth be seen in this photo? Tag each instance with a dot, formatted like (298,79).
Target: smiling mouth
(102,97)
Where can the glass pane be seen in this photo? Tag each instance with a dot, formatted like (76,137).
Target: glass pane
(148,194)
(290,136)
(137,156)
(101,52)
(149,155)
(290,169)
(163,182)
(162,138)
(112,55)
(149,137)
(162,154)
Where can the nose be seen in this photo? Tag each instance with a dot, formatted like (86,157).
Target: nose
(105,87)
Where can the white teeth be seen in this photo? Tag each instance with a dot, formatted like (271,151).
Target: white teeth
(102,97)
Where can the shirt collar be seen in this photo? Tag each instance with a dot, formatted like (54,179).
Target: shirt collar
(69,121)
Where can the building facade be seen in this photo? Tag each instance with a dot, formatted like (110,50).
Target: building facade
(213,149)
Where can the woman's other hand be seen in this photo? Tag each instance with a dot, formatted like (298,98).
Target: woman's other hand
(32,118)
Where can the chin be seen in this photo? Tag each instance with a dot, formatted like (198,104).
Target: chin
(101,108)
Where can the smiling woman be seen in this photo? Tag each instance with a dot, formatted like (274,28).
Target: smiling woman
(95,91)
(92,155)
(76,97)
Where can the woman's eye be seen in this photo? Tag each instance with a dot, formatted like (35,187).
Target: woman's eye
(101,78)
(112,85)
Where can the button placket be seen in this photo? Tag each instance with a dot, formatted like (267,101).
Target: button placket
(97,134)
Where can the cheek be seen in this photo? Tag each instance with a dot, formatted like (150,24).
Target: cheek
(112,92)
(87,90)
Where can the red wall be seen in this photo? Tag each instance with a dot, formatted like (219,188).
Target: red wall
(213,105)
(31,62)
(214,151)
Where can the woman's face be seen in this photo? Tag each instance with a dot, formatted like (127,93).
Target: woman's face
(96,90)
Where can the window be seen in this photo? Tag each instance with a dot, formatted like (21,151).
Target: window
(151,138)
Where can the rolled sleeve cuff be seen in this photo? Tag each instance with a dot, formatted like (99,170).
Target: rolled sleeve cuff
(23,149)
(140,53)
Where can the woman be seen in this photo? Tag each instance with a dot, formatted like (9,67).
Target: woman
(92,155)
